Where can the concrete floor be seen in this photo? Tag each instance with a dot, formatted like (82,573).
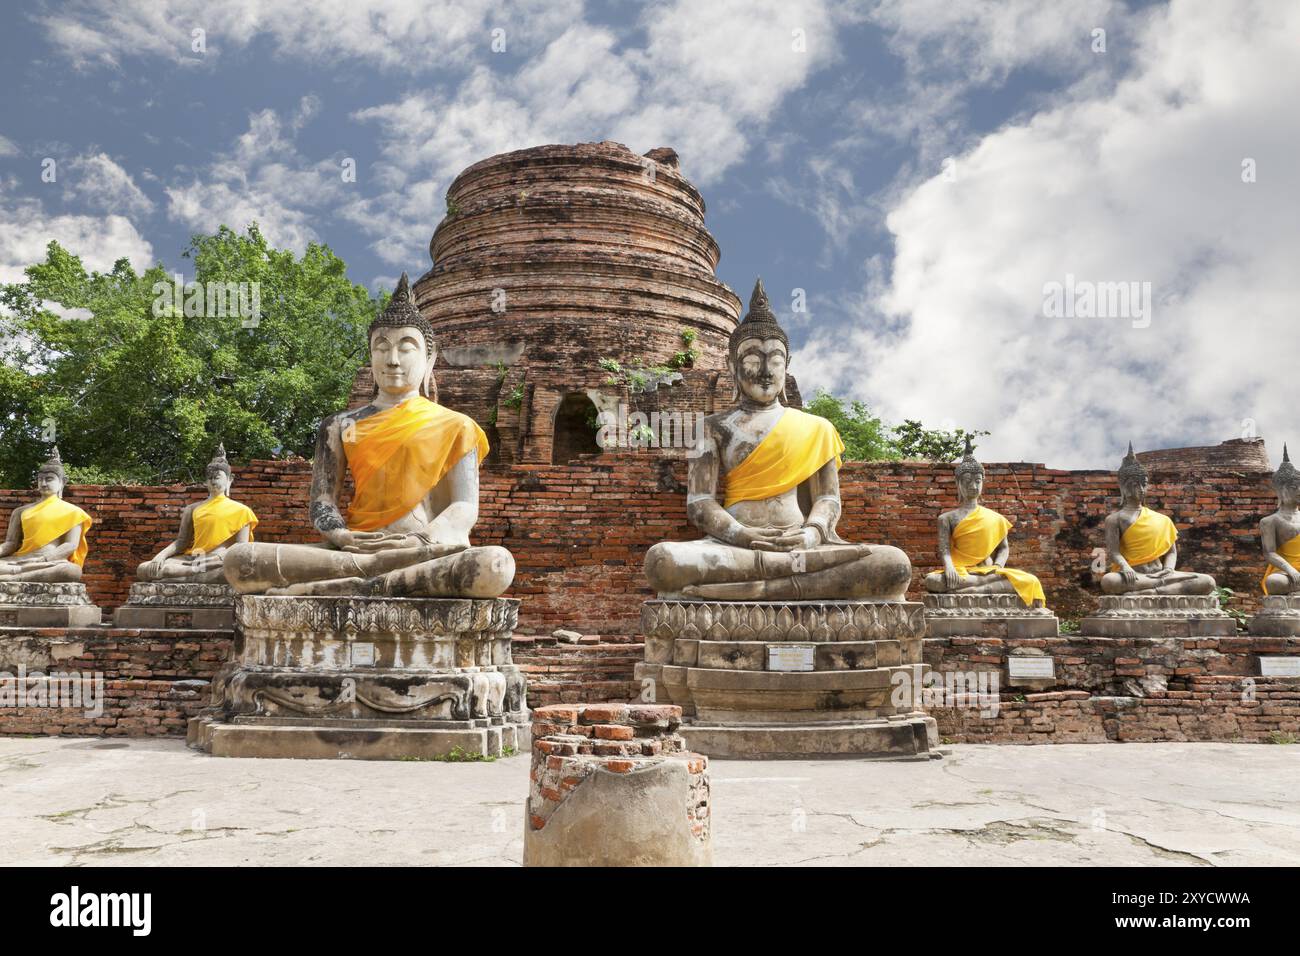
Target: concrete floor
(69,801)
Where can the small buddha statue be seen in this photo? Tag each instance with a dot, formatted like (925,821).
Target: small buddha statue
(1140,543)
(47,540)
(763,486)
(973,545)
(414,468)
(1280,533)
(208,530)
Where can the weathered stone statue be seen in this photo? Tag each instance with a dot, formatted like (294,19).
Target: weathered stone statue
(973,545)
(388,640)
(414,467)
(1140,543)
(763,485)
(774,635)
(208,530)
(1280,533)
(46,540)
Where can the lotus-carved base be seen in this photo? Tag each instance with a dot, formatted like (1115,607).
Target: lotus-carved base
(795,678)
(1158,615)
(367,678)
(162,604)
(42,604)
(986,615)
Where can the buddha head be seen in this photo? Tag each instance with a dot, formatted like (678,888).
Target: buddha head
(217,477)
(50,477)
(1286,482)
(402,350)
(759,352)
(970,476)
(1132,479)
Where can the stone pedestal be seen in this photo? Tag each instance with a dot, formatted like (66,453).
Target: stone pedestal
(176,605)
(38,604)
(986,615)
(1278,616)
(1158,615)
(613,785)
(789,679)
(367,678)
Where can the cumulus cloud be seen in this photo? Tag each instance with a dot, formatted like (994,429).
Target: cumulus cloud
(266,180)
(1143,182)
(707,78)
(407,36)
(98,240)
(97,182)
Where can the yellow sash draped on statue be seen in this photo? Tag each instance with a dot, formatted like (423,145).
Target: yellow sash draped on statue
(216,521)
(1147,539)
(791,453)
(398,454)
(975,538)
(51,519)
(1291,552)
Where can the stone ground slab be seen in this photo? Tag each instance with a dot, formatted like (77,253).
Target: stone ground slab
(89,801)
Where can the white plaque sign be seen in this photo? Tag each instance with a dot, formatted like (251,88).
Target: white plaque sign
(790,657)
(1279,667)
(1031,668)
(363,655)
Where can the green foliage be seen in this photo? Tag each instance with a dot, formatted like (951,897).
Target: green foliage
(868,438)
(1224,595)
(1282,737)
(130,395)
(685,358)
(1069,625)
(516,398)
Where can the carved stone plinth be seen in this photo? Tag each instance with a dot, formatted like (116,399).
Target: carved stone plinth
(1279,616)
(40,604)
(986,615)
(162,605)
(794,679)
(1158,615)
(367,678)
(614,785)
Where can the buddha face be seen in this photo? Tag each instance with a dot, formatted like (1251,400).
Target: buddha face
(760,369)
(1288,493)
(49,483)
(217,482)
(970,485)
(1133,489)
(399,360)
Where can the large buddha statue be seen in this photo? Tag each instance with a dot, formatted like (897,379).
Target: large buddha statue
(209,528)
(1140,543)
(763,486)
(1280,533)
(47,540)
(414,467)
(973,545)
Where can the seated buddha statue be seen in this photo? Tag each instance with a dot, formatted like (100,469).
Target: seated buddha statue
(1140,543)
(414,468)
(46,540)
(763,486)
(973,545)
(209,528)
(1280,533)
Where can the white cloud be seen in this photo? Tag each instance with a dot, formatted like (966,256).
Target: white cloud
(265,180)
(409,36)
(708,77)
(1139,183)
(97,182)
(7,147)
(98,240)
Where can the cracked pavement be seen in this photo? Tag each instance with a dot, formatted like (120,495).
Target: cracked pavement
(94,802)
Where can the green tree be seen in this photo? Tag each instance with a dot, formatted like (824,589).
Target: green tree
(868,438)
(134,389)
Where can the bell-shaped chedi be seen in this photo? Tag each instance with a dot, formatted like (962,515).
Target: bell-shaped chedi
(552,264)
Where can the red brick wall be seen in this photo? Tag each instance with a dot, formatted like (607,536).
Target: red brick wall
(579,533)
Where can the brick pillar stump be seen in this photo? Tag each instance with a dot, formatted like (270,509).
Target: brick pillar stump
(614,785)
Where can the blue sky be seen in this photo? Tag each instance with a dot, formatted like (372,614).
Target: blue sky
(922,170)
